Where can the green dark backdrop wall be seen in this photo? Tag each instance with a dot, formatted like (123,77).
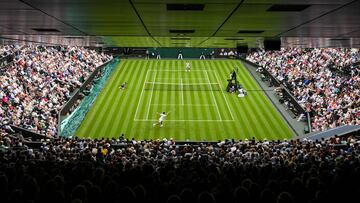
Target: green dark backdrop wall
(186,52)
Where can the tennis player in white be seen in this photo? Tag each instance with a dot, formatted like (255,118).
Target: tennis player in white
(161,119)
(187,66)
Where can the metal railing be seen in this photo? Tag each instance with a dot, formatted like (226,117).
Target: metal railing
(26,133)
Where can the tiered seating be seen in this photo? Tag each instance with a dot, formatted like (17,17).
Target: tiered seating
(39,83)
(7,49)
(78,170)
(332,98)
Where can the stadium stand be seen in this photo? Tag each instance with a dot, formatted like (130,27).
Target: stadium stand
(5,50)
(331,97)
(179,101)
(113,170)
(39,82)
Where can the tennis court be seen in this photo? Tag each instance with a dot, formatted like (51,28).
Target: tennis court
(200,108)
(185,95)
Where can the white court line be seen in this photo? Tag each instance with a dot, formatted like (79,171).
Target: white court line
(151,94)
(152,120)
(182,67)
(181,78)
(160,70)
(182,92)
(195,78)
(183,84)
(160,78)
(212,92)
(222,92)
(182,104)
(141,95)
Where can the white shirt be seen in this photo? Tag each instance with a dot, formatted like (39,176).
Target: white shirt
(162,117)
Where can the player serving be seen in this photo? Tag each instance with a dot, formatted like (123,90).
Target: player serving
(187,67)
(161,119)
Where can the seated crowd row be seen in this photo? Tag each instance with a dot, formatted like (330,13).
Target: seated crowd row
(119,170)
(6,50)
(316,80)
(40,81)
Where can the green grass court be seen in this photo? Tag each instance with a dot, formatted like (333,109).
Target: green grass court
(199,107)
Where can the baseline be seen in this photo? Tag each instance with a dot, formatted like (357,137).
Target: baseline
(182,104)
(153,120)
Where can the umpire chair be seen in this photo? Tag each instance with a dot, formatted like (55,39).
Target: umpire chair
(232,82)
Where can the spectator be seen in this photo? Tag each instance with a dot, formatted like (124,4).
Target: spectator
(180,55)
(39,83)
(332,98)
(229,171)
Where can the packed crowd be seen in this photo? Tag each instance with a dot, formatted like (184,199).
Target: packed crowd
(39,82)
(331,97)
(7,49)
(118,170)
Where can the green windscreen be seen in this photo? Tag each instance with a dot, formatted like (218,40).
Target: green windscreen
(186,52)
(72,123)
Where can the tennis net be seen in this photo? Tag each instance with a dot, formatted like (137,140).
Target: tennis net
(182,86)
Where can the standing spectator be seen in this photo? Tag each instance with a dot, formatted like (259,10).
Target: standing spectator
(202,56)
(180,56)
(158,56)
(147,54)
(212,54)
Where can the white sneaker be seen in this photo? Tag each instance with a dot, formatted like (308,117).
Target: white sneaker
(154,124)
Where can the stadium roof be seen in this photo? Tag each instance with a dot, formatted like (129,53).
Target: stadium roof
(172,23)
